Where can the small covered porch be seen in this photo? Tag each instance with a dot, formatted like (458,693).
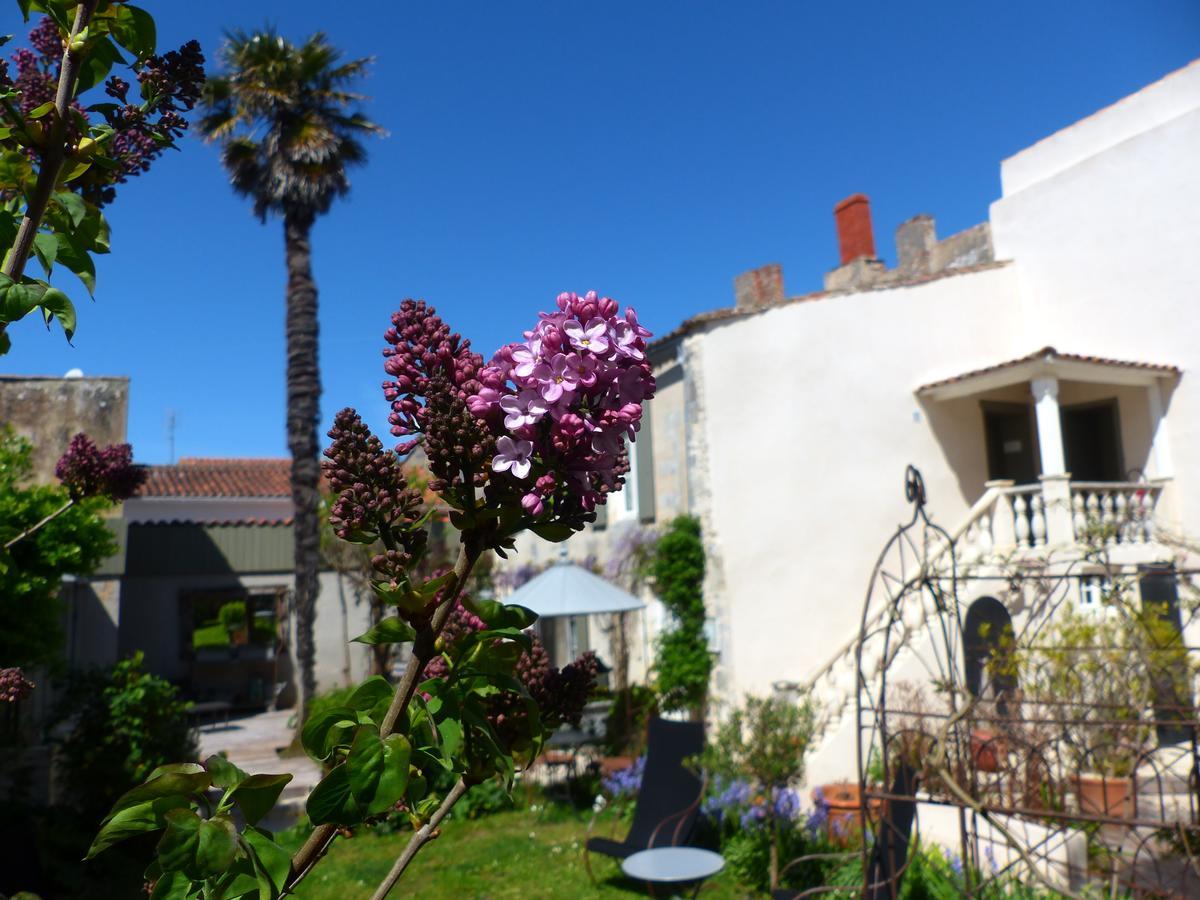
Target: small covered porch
(1061,449)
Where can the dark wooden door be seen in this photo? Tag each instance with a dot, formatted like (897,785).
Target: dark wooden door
(1011,452)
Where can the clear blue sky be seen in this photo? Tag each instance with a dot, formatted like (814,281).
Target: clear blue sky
(650,151)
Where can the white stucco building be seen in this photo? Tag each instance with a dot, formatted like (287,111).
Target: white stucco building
(1034,367)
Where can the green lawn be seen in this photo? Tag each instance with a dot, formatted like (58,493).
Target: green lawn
(526,853)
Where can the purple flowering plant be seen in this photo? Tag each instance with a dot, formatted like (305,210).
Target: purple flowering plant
(64,149)
(532,440)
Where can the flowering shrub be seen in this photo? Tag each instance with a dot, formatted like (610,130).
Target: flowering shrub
(61,157)
(478,697)
(85,470)
(754,756)
(625,782)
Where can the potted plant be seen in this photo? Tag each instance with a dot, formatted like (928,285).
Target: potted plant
(1091,673)
(232,617)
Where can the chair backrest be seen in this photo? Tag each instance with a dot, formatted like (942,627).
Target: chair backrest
(669,800)
(890,851)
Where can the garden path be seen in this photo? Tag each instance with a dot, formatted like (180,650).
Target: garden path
(253,744)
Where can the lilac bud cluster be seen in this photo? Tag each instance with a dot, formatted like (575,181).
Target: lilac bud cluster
(88,471)
(14,685)
(170,85)
(562,404)
(373,495)
(560,695)
(432,372)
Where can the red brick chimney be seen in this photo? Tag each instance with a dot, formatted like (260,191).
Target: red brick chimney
(855,237)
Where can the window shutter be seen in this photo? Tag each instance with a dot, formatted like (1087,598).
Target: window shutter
(644,447)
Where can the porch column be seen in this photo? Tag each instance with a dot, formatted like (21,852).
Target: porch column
(1049,425)
(1159,464)
(1056,487)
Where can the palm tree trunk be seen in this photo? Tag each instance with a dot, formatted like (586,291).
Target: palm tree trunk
(303,408)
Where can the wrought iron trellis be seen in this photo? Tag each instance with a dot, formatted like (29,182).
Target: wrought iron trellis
(997,762)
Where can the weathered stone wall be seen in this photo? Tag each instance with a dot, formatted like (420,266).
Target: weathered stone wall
(49,411)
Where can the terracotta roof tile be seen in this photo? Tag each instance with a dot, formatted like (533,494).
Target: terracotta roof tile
(1049,353)
(217,477)
(222,523)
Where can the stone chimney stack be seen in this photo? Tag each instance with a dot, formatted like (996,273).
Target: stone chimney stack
(916,240)
(759,287)
(856,239)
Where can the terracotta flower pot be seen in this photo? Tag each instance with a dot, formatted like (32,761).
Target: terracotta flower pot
(987,749)
(844,801)
(1100,795)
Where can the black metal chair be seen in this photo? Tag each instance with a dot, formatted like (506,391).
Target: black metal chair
(668,802)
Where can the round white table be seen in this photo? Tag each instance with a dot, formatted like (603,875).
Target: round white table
(674,866)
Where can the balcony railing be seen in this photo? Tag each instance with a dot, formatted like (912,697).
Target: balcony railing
(1059,512)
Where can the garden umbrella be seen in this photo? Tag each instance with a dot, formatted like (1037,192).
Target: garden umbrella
(565,589)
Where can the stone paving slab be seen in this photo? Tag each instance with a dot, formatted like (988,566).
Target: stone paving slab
(252,743)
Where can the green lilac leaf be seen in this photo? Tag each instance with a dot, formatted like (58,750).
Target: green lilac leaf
(138,818)
(225,774)
(45,247)
(325,731)
(378,770)
(392,630)
(180,841)
(134,30)
(256,795)
(331,801)
(55,302)
(269,858)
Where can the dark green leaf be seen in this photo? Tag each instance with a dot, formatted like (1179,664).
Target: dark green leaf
(331,800)
(269,858)
(327,730)
(200,848)
(149,815)
(77,260)
(552,531)
(18,299)
(15,170)
(177,847)
(57,304)
(392,630)
(100,58)
(225,774)
(72,204)
(134,30)
(188,768)
(378,770)
(500,615)
(172,886)
(257,794)
(186,779)
(451,733)
(45,247)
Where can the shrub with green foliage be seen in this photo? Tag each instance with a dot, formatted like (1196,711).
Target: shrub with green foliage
(762,745)
(232,616)
(74,542)
(682,663)
(126,723)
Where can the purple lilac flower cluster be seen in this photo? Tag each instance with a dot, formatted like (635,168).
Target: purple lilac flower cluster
(87,471)
(170,84)
(562,403)
(625,782)
(433,371)
(14,685)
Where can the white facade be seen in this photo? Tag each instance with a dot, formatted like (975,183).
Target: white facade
(786,424)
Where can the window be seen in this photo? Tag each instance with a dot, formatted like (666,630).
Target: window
(225,619)
(1092,591)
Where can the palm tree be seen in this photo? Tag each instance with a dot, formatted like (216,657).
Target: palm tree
(282,114)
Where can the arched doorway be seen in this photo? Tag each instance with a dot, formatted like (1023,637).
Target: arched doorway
(987,627)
